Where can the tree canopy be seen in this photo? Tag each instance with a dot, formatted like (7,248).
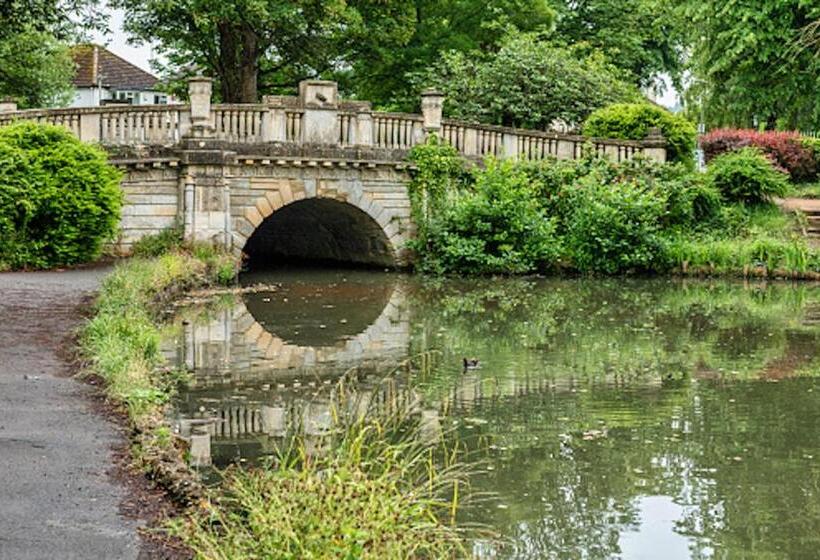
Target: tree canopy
(35,64)
(747,65)
(528,83)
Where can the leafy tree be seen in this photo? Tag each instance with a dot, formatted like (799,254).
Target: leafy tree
(35,64)
(746,70)
(35,69)
(527,83)
(642,37)
(379,72)
(252,45)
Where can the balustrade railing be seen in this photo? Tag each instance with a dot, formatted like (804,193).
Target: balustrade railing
(317,117)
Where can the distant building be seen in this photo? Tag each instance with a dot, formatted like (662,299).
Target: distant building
(104,78)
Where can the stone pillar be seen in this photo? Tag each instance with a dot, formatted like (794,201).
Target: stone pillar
(510,145)
(432,103)
(89,127)
(199,93)
(654,146)
(364,132)
(8,105)
(566,149)
(320,122)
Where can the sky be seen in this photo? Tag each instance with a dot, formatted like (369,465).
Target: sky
(116,42)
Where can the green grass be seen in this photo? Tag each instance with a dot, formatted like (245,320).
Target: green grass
(806,190)
(371,491)
(121,342)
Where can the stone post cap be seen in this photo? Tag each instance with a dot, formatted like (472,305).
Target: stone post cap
(654,133)
(654,137)
(200,79)
(432,92)
(322,94)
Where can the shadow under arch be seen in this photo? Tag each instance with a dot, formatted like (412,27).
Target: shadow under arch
(320,230)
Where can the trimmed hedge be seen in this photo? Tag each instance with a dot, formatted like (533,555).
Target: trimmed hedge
(59,198)
(794,154)
(632,121)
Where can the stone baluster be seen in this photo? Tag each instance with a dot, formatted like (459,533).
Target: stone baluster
(432,104)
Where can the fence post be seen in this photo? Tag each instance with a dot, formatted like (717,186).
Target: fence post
(432,103)
(90,127)
(654,146)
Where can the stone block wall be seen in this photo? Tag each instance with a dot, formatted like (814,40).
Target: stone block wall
(151,201)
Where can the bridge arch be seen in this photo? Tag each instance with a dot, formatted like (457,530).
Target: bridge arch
(335,222)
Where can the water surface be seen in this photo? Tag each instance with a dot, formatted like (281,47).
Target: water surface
(618,418)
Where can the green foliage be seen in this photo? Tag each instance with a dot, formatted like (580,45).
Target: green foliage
(614,226)
(35,69)
(747,72)
(59,199)
(527,83)
(439,170)
(378,70)
(156,244)
(248,45)
(632,121)
(642,37)
(498,227)
(121,342)
(746,175)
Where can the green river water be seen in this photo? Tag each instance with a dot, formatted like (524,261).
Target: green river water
(638,418)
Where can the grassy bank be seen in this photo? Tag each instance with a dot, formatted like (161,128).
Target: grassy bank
(121,345)
(371,491)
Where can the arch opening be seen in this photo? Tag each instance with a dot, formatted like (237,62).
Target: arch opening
(319,230)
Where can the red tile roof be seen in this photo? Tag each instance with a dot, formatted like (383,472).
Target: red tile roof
(96,64)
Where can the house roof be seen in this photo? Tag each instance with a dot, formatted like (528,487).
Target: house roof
(97,65)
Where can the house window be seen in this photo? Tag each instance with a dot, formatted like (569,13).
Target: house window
(125,96)
(160,99)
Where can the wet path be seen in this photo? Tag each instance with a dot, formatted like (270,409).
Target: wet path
(56,500)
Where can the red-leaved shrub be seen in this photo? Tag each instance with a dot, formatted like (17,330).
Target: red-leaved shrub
(785,149)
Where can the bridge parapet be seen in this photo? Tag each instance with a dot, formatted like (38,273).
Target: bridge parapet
(318,117)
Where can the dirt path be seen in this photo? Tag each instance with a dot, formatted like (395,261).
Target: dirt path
(56,499)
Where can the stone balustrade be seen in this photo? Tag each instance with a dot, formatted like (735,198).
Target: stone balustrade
(318,117)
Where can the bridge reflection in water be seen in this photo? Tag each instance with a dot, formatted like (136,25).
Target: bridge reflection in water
(251,382)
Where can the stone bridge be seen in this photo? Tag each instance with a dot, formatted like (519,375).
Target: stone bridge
(310,176)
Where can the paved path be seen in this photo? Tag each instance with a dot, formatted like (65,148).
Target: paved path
(56,500)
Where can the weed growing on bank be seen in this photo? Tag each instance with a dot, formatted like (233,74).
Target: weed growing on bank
(366,489)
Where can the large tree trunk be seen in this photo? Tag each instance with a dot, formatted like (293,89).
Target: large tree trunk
(238,62)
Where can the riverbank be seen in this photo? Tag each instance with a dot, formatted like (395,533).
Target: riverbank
(384,499)
(56,447)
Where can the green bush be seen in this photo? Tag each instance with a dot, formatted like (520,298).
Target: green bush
(157,244)
(614,226)
(497,228)
(59,199)
(632,121)
(747,176)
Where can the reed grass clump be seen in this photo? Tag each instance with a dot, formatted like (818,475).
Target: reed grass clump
(378,484)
